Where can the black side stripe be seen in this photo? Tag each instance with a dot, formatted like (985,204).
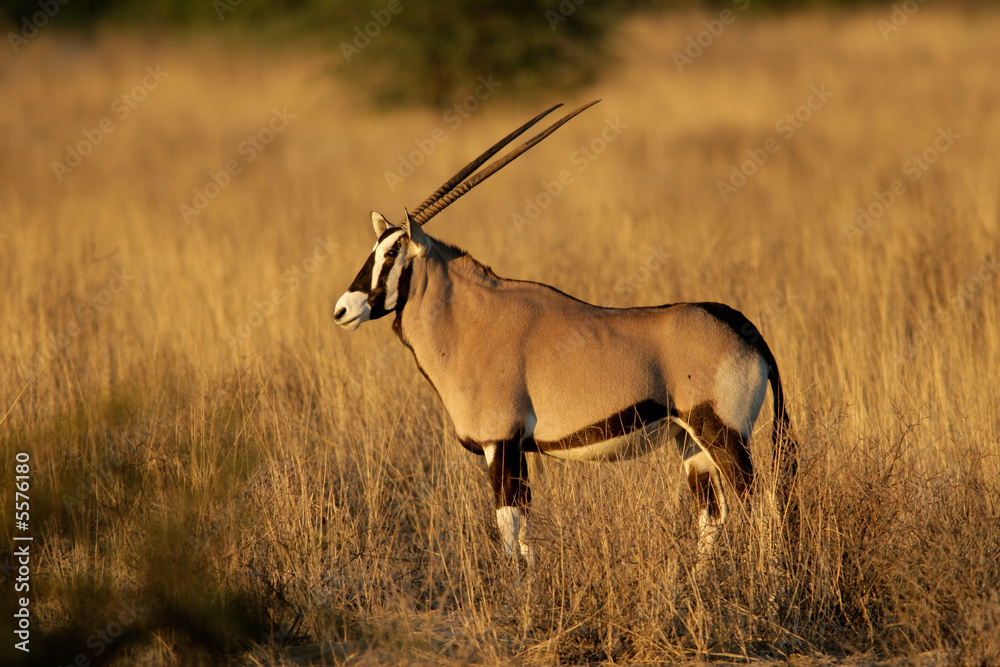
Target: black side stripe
(471,445)
(627,421)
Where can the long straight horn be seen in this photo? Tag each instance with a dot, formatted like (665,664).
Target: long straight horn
(479,161)
(437,203)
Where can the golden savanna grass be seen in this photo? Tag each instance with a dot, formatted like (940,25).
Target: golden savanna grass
(219,474)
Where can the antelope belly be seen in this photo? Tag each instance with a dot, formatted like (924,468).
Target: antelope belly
(619,448)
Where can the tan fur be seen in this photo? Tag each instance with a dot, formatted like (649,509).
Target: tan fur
(497,350)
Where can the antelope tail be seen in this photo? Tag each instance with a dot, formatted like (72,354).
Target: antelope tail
(785,450)
(785,445)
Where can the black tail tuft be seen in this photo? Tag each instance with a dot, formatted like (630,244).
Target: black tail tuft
(786,447)
(786,457)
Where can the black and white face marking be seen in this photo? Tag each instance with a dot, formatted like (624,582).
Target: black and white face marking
(375,291)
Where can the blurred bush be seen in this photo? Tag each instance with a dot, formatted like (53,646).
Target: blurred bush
(407,51)
(397,51)
(433,52)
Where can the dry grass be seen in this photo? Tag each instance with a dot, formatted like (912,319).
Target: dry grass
(296,494)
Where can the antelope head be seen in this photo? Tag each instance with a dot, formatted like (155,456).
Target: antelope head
(376,290)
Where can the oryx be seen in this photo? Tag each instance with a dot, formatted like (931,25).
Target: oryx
(522,367)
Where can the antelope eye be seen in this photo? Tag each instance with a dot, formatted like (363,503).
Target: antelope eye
(391,253)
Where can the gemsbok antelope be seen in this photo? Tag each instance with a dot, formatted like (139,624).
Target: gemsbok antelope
(495,351)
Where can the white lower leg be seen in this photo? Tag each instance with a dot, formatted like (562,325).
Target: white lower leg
(524,540)
(509,522)
(708,534)
(709,527)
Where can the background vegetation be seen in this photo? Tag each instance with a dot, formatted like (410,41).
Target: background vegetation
(395,51)
(398,52)
(220,475)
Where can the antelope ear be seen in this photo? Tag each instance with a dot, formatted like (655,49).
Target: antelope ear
(380,224)
(415,232)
